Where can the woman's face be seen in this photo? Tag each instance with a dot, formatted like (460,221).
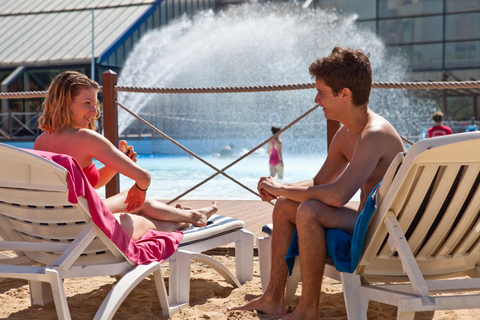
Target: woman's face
(83,108)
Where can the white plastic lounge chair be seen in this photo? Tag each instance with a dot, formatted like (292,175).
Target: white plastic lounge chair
(219,231)
(54,239)
(423,238)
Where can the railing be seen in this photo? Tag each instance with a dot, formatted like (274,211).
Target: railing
(110,112)
(12,125)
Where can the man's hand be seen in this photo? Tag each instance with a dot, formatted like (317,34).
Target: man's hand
(135,198)
(128,150)
(267,188)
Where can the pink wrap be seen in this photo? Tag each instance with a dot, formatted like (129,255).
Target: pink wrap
(153,246)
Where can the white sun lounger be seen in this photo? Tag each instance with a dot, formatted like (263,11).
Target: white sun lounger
(424,237)
(54,239)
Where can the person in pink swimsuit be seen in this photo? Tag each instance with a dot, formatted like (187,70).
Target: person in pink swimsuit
(70,110)
(275,153)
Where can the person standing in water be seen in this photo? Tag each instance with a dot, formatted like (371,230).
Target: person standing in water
(275,147)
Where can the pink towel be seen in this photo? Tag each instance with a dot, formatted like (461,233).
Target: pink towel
(153,246)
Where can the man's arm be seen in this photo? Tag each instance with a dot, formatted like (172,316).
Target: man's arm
(332,168)
(366,156)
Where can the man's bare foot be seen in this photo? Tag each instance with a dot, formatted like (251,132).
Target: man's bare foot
(261,305)
(201,216)
(299,315)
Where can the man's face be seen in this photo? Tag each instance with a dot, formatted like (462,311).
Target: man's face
(326,99)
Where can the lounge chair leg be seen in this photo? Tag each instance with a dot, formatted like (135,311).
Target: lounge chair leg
(264,245)
(405,315)
(58,292)
(40,293)
(355,303)
(292,282)
(244,256)
(127,283)
(179,278)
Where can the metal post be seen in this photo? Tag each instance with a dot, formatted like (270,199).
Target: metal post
(110,122)
(332,128)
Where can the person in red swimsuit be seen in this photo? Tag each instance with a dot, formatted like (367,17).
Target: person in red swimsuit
(438,129)
(68,123)
(275,153)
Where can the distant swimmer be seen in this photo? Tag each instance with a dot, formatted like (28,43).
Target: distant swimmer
(275,153)
(227,152)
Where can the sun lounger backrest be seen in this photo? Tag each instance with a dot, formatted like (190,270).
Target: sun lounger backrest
(436,199)
(34,207)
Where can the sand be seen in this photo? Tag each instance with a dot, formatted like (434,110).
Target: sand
(209,298)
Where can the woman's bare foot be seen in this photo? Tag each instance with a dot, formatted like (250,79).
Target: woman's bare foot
(261,305)
(201,216)
(181,206)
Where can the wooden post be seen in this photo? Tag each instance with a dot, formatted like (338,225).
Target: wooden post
(110,122)
(332,128)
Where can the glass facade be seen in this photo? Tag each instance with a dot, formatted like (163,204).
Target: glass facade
(441,35)
(439,38)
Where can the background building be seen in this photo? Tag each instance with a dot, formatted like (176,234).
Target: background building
(439,38)
(40,38)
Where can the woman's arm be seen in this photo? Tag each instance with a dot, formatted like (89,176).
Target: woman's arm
(107,173)
(100,148)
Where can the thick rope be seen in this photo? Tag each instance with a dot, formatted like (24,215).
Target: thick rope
(250,152)
(375,85)
(207,163)
(406,140)
(186,150)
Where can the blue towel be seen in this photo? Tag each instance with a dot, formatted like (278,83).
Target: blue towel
(343,248)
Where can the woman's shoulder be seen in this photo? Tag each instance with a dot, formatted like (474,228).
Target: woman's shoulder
(86,134)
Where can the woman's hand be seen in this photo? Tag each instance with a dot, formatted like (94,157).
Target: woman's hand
(135,198)
(128,150)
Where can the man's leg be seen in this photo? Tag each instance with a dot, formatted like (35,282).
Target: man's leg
(272,301)
(313,217)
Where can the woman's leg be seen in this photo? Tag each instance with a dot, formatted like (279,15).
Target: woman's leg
(137,225)
(272,171)
(279,169)
(157,210)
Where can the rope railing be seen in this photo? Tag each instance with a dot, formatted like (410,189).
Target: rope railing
(376,85)
(218,171)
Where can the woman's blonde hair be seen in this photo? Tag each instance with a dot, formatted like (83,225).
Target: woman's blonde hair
(56,107)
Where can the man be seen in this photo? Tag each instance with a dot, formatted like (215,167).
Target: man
(439,129)
(359,156)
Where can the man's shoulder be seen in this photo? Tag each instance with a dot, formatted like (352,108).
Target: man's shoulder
(379,126)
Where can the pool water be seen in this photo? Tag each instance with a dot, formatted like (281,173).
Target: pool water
(173,175)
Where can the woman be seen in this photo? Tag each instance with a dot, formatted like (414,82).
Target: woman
(68,122)
(275,154)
